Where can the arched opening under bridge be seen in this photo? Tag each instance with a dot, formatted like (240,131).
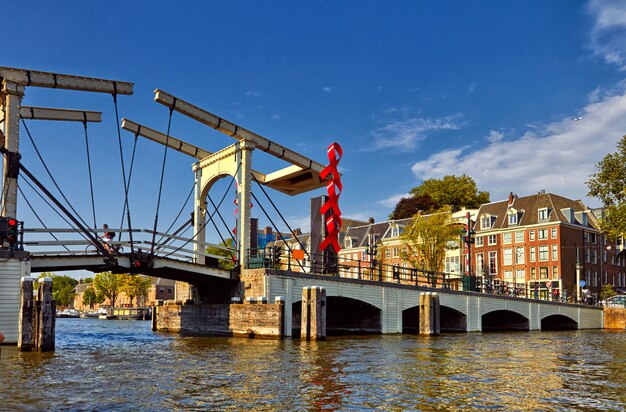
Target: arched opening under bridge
(504,320)
(558,322)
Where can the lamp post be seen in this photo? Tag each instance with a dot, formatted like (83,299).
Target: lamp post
(578,268)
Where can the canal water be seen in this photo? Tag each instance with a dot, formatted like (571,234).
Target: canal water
(123,365)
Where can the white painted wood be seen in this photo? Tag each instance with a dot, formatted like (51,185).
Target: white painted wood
(68,115)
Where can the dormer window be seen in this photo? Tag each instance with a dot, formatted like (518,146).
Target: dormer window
(542,214)
(487,221)
(348,242)
(395,231)
(513,217)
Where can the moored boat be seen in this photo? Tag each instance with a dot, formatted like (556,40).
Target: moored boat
(68,313)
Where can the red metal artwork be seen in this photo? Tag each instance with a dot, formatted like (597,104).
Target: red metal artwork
(334,187)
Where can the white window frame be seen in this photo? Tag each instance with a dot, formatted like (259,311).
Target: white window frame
(507,256)
(492,240)
(506,241)
(531,235)
(553,233)
(542,234)
(519,236)
(533,254)
(555,252)
(519,255)
(542,214)
(493,256)
(543,251)
(479,241)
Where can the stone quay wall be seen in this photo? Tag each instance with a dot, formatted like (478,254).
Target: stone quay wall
(614,318)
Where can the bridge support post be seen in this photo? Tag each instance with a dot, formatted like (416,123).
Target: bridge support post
(46,317)
(244,183)
(429,322)
(313,325)
(25,325)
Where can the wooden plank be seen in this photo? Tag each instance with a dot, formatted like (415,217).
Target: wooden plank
(47,113)
(64,81)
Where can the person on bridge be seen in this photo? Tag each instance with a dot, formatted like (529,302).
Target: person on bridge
(107,237)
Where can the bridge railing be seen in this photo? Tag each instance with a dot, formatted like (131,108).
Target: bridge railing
(71,242)
(344,267)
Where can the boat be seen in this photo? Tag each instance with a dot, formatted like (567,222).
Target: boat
(106,314)
(90,314)
(68,313)
(132,313)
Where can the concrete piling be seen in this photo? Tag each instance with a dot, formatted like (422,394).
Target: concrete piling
(313,326)
(429,321)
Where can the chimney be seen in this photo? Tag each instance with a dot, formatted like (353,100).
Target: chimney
(371,221)
(267,230)
(511,198)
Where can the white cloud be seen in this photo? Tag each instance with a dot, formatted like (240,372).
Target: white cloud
(327,89)
(392,200)
(608,36)
(558,157)
(406,133)
(472,88)
(252,94)
(495,136)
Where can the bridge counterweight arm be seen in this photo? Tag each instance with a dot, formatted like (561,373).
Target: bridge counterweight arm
(233,130)
(48,113)
(64,81)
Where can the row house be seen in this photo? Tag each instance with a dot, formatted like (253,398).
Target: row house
(546,243)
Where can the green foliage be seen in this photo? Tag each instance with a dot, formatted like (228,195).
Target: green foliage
(609,185)
(90,297)
(88,280)
(135,286)
(427,239)
(224,264)
(409,206)
(607,291)
(454,191)
(108,286)
(63,288)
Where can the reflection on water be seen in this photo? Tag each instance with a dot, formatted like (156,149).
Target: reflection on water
(117,365)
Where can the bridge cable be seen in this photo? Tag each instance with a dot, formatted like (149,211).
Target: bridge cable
(51,206)
(119,141)
(278,231)
(178,231)
(156,214)
(30,137)
(217,230)
(81,227)
(93,203)
(281,216)
(210,217)
(130,174)
(40,220)
(160,241)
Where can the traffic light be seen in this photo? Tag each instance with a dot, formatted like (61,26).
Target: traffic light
(277,253)
(12,234)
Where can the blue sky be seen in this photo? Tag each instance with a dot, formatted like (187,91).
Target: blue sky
(410,89)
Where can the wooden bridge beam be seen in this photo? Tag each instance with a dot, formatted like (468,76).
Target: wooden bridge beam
(68,115)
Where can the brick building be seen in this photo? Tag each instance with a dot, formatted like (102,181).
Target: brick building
(544,242)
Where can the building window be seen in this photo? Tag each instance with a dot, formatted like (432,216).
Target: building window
(169,290)
(587,256)
(480,264)
(480,241)
(508,256)
(533,273)
(506,238)
(543,253)
(533,256)
(586,237)
(387,253)
(520,276)
(519,255)
(493,268)
(491,239)
(508,274)
(543,272)
(542,214)
(513,219)
(486,222)
(452,264)
(395,231)
(542,234)
(395,252)
(531,234)
(594,238)
(594,256)
(519,237)
(553,233)
(555,272)
(555,252)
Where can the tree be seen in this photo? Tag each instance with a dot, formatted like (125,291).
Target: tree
(135,286)
(609,185)
(455,191)
(427,239)
(409,206)
(63,288)
(228,243)
(607,291)
(108,285)
(90,297)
